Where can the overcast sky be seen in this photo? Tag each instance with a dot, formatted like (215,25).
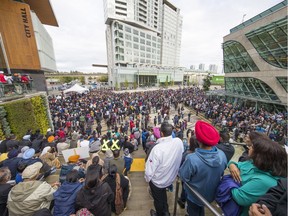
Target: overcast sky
(79,41)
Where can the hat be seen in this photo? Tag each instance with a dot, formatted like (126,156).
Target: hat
(13,153)
(26,137)
(29,153)
(73,158)
(23,149)
(50,139)
(126,151)
(32,170)
(206,133)
(95,146)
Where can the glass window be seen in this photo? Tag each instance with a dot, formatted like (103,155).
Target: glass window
(250,87)
(284,82)
(127,29)
(142,34)
(237,59)
(142,41)
(128,44)
(135,32)
(135,46)
(271,42)
(128,37)
(135,39)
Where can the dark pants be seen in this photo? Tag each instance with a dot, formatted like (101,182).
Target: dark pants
(160,200)
(194,210)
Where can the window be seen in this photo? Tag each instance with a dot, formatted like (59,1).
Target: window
(135,32)
(142,34)
(128,37)
(237,59)
(271,42)
(135,46)
(127,29)
(135,39)
(142,41)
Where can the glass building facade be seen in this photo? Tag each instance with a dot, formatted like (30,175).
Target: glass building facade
(270,41)
(250,87)
(237,59)
(255,59)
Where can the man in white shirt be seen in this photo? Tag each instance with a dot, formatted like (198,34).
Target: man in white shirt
(162,167)
(85,142)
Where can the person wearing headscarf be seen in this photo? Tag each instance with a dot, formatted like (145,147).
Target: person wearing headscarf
(23,149)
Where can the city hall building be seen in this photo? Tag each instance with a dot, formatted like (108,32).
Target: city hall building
(25,45)
(255,59)
(143,39)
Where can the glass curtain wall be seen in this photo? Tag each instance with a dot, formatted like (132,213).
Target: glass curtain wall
(271,42)
(250,87)
(237,59)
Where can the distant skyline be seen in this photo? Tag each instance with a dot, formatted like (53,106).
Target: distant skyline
(79,41)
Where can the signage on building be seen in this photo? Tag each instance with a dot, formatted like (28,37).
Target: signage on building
(25,22)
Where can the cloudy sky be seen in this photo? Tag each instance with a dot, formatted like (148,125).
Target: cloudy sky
(79,41)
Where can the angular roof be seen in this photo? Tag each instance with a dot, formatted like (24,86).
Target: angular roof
(44,11)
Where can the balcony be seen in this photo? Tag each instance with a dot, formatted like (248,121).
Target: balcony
(15,90)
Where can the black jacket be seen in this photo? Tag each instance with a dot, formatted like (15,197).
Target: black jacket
(276,198)
(97,200)
(124,183)
(4,191)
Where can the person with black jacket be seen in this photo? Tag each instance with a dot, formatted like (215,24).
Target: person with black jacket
(274,202)
(5,188)
(96,195)
(124,184)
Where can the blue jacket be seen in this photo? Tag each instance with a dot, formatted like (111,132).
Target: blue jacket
(65,198)
(224,196)
(202,170)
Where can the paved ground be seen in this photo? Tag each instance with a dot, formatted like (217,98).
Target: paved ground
(140,202)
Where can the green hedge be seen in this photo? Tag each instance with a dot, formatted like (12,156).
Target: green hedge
(26,114)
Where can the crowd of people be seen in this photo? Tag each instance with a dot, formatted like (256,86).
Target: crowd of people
(114,125)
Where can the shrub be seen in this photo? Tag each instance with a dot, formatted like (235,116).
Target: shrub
(40,113)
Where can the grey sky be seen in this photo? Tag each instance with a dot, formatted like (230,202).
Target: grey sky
(79,41)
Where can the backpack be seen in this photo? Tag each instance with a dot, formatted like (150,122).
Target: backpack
(119,203)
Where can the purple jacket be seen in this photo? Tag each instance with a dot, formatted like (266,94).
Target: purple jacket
(224,196)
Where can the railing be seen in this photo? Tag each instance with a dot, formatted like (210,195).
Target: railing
(7,90)
(198,195)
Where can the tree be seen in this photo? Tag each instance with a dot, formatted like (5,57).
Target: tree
(126,84)
(135,85)
(116,86)
(172,82)
(207,82)
(103,78)
(166,82)
(188,82)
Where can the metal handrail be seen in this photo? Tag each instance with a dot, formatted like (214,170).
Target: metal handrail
(203,200)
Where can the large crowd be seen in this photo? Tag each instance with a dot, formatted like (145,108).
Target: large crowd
(112,126)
